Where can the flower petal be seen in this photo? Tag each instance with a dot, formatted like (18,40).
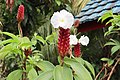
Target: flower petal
(73,40)
(55,19)
(84,40)
(62,19)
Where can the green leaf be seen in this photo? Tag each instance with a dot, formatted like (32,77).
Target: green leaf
(80,60)
(77,77)
(106,15)
(109,43)
(11,35)
(115,41)
(90,67)
(7,41)
(115,49)
(34,41)
(79,69)
(39,38)
(15,75)
(32,74)
(104,59)
(5,50)
(51,37)
(45,65)
(45,75)
(110,62)
(110,28)
(58,2)
(62,73)
(110,21)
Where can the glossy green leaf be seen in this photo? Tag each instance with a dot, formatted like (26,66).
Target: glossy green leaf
(110,28)
(104,59)
(45,65)
(110,43)
(39,38)
(80,60)
(110,62)
(79,69)
(62,73)
(32,74)
(115,49)
(5,50)
(15,75)
(11,35)
(7,41)
(58,2)
(90,67)
(48,75)
(77,77)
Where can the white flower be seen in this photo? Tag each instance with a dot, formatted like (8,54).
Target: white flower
(84,40)
(62,19)
(73,40)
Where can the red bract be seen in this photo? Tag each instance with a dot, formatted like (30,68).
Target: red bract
(20,14)
(77,50)
(63,42)
(9,4)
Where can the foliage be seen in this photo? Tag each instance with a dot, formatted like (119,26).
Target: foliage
(17,45)
(112,32)
(34,57)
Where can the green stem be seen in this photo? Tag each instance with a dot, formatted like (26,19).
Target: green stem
(20,29)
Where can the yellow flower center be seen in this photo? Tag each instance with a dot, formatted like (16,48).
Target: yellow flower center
(62,20)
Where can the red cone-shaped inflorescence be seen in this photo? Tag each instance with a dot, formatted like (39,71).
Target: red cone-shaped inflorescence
(77,50)
(9,4)
(20,14)
(63,42)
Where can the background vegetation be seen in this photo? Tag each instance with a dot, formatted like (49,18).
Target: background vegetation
(37,20)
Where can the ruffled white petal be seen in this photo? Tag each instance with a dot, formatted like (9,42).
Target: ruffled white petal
(55,19)
(84,40)
(73,40)
(62,19)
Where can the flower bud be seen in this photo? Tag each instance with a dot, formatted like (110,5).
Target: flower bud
(20,14)
(76,23)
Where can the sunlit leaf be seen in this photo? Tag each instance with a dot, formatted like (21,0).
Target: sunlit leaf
(110,62)
(79,69)
(39,38)
(5,50)
(62,73)
(32,74)
(45,65)
(11,35)
(58,2)
(90,67)
(104,59)
(115,49)
(48,75)
(15,75)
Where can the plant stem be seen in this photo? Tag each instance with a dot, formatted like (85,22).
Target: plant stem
(20,29)
(24,68)
(118,60)
(104,66)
